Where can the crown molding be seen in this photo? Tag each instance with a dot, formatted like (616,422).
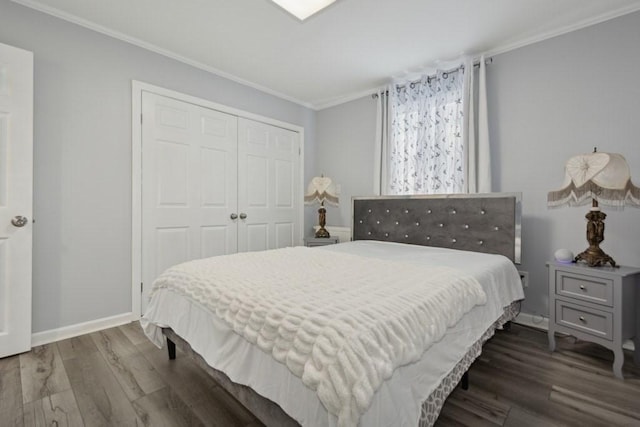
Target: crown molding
(320,104)
(501,49)
(32,4)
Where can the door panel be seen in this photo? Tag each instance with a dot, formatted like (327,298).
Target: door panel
(189,184)
(257,236)
(172,247)
(213,241)
(284,179)
(269,194)
(172,157)
(257,181)
(16,194)
(285,234)
(213,163)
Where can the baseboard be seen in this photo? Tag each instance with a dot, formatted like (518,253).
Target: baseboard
(53,335)
(533,320)
(542,322)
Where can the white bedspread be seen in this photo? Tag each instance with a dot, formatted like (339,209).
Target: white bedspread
(398,402)
(341,322)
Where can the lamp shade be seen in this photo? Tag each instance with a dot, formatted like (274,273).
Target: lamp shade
(603,177)
(321,189)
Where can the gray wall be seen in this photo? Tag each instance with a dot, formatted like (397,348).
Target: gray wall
(550,101)
(547,102)
(345,136)
(82,157)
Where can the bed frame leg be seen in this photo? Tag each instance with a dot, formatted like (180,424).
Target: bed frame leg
(464,382)
(507,326)
(171,348)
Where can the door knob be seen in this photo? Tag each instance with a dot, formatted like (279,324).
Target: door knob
(19,221)
(243,215)
(233,216)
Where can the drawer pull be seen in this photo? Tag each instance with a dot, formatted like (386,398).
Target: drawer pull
(582,287)
(582,319)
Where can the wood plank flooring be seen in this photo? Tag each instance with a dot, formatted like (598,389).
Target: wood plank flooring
(116,377)
(516,381)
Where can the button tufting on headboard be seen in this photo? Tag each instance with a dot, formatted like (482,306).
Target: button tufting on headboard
(485,223)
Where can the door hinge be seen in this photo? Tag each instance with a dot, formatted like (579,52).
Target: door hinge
(140,118)
(141,287)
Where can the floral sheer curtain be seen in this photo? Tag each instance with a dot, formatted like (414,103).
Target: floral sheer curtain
(427,154)
(427,142)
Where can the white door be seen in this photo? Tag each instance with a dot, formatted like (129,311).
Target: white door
(269,195)
(189,184)
(16,193)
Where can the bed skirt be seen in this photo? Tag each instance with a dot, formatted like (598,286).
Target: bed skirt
(433,405)
(271,414)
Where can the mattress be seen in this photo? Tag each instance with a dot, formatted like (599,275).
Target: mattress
(399,399)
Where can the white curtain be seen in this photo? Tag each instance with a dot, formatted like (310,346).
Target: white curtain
(469,133)
(381,150)
(426,139)
(479,151)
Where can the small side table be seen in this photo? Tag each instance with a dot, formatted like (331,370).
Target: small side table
(596,304)
(320,241)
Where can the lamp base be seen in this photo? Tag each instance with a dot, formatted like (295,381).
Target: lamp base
(322,233)
(322,220)
(595,257)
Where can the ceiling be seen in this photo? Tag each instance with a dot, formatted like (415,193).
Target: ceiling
(343,52)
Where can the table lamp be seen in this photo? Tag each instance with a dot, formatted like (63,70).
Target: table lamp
(321,189)
(599,178)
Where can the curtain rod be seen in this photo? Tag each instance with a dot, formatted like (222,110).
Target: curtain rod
(453,70)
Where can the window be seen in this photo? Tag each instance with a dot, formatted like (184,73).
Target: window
(426,147)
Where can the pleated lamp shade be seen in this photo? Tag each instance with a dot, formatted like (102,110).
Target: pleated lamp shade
(321,189)
(596,178)
(603,177)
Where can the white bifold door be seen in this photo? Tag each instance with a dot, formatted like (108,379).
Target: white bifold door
(16,199)
(213,184)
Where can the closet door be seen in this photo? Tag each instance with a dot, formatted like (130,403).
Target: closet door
(189,184)
(269,196)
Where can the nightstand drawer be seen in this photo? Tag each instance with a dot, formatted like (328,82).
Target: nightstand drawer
(586,288)
(593,322)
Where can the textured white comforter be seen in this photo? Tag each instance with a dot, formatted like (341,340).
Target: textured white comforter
(340,322)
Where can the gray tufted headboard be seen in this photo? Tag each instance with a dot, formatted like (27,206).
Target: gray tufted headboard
(489,223)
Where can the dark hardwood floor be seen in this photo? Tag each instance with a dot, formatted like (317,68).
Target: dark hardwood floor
(116,377)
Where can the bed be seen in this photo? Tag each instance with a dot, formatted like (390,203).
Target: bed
(472,240)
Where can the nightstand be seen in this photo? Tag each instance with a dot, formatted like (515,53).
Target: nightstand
(596,304)
(320,241)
